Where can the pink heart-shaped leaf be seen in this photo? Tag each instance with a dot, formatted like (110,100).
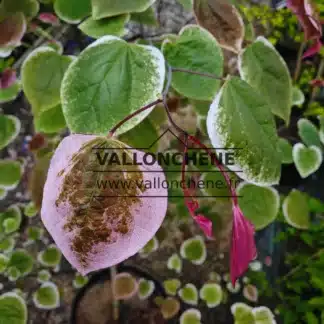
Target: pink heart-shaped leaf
(98,228)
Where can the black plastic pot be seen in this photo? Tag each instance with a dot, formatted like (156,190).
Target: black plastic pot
(103,276)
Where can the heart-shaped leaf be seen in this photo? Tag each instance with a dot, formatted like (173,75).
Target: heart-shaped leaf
(4,260)
(34,233)
(171,286)
(175,263)
(259,204)
(295,209)
(10,93)
(90,87)
(189,294)
(47,296)
(265,70)
(42,74)
(7,244)
(109,8)
(298,97)
(195,49)
(242,313)
(190,316)
(263,315)
(285,150)
(116,221)
(10,174)
(80,281)
(50,121)
(12,28)
(307,159)
(250,292)
(145,288)
(29,8)
(308,132)
(212,294)
(124,286)
(194,250)
(10,220)
(50,257)
(170,307)
(21,260)
(72,11)
(43,276)
(13,309)
(9,129)
(106,26)
(222,20)
(251,136)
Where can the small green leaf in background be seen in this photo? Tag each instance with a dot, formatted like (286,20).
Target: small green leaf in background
(43,276)
(189,294)
(311,318)
(7,244)
(212,294)
(13,273)
(175,263)
(50,257)
(50,121)
(90,93)
(79,281)
(171,286)
(109,8)
(146,17)
(169,307)
(13,309)
(321,130)
(187,4)
(10,220)
(190,316)
(295,210)
(106,26)
(308,132)
(31,210)
(29,8)
(285,149)
(4,260)
(298,97)
(47,296)
(151,246)
(34,233)
(265,70)
(10,174)
(10,93)
(242,313)
(195,49)
(307,159)
(42,73)
(146,288)
(194,250)
(252,133)
(72,11)
(9,130)
(259,204)
(21,260)
(263,315)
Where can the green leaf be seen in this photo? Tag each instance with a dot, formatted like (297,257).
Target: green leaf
(321,131)
(7,244)
(10,220)
(142,136)
(308,132)
(194,250)
(31,210)
(311,318)
(43,276)
(175,263)
(50,121)
(307,159)
(109,8)
(201,107)
(189,294)
(79,281)
(212,294)
(50,257)
(35,233)
(317,301)
(13,309)
(263,315)
(47,296)
(187,4)
(259,204)
(42,74)
(9,130)
(13,274)
(106,26)
(265,70)
(171,286)
(298,97)
(21,260)
(295,210)
(190,316)
(285,150)
(195,49)
(72,11)
(251,134)
(4,260)
(3,193)
(11,93)
(10,174)
(90,93)
(169,307)
(151,246)
(29,8)
(146,288)
(242,313)
(146,17)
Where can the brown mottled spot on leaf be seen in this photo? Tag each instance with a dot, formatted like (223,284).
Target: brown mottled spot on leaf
(222,20)
(99,213)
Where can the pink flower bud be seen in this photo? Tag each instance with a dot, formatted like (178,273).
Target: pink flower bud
(48,18)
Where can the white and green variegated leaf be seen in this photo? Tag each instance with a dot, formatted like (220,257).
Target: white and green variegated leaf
(72,11)
(298,97)
(240,120)
(50,257)
(263,315)
(212,294)
(111,73)
(47,296)
(79,281)
(265,70)
(4,260)
(50,121)
(110,8)
(114,26)
(10,93)
(13,309)
(145,288)
(9,129)
(242,313)
(307,159)
(43,276)
(191,316)
(295,210)
(285,149)
(194,250)
(259,204)
(10,220)
(308,132)
(10,174)
(21,260)
(197,50)
(42,74)
(189,294)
